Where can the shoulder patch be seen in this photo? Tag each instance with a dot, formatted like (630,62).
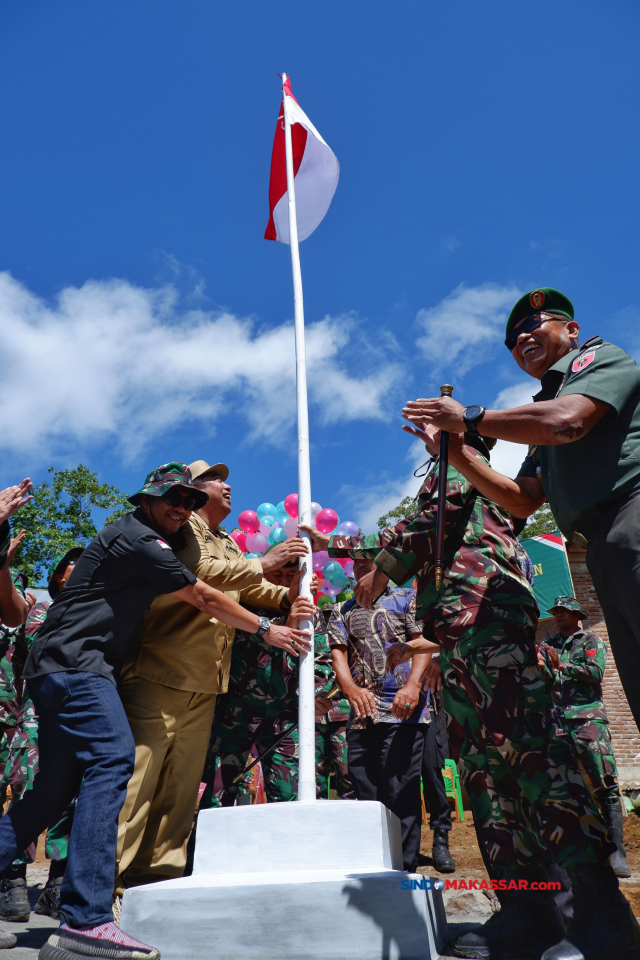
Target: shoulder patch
(591,653)
(581,362)
(165,546)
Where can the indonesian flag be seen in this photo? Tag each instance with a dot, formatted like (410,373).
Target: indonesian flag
(315,169)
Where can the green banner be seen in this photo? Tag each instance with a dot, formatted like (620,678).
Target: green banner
(552,577)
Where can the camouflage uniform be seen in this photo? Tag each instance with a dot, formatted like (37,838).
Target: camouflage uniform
(528,796)
(19,757)
(577,695)
(331,749)
(260,705)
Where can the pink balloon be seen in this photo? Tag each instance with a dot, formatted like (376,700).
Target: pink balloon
(348,568)
(330,588)
(327,520)
(291,527)
(291,504)
(265,530)
(256,543)
(240,538)
(319,560)
(249,522)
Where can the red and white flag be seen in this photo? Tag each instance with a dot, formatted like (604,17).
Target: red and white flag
(315,168)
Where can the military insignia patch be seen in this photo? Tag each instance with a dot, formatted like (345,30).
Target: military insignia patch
(536,299)
(582,362)
(165,546)
(591,653)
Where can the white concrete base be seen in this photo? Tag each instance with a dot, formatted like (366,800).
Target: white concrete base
(353,908)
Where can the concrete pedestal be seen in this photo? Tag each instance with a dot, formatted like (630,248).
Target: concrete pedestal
(291,880)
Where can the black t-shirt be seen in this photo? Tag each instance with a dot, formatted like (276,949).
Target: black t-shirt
(90,623)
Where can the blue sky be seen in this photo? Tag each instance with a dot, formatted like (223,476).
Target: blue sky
(485,148)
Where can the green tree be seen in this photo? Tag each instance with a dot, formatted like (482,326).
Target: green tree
(60,516)
(404,509)
(539,522)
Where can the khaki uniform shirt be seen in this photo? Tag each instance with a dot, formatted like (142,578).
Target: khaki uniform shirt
(178,645)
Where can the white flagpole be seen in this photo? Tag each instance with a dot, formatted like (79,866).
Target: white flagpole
(306,706)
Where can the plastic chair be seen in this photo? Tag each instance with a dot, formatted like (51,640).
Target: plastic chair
(452,786)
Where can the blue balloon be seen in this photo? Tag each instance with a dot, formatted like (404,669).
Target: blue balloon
(267,514)
(340,581)
(251,556)
(346,529)
(281,512)
(332,571)
(277,535)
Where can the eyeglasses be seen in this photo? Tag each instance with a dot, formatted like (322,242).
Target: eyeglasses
(176,499)
(527,325)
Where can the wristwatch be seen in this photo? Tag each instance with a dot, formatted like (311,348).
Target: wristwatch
(472,417)
(264,625)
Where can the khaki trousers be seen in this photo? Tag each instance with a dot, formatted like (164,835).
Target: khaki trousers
(171,730)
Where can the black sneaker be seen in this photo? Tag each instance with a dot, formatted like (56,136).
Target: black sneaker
(48,904)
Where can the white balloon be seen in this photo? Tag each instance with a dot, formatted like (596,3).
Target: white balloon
(291,527)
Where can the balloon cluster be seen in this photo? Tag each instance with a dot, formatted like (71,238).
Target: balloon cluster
(271,524)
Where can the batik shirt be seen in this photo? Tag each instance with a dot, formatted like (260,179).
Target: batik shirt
(368,636)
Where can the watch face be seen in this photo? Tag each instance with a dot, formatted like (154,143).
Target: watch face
(472,412)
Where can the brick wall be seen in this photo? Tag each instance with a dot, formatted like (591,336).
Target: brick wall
(624,732)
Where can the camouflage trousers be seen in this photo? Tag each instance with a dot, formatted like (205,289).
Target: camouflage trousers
(331,750)
(528,796)
(592,743)
(18,767)
(238,725)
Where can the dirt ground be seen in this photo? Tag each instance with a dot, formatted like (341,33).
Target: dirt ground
(464,847)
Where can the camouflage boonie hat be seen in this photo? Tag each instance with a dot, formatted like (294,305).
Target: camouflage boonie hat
(174,474)
(568,603)
(59,565)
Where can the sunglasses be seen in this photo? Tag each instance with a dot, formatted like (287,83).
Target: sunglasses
(527,325)
(176,499)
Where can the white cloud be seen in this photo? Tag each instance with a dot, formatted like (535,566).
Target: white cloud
(465,326)
(110,362)
(517,395)
(507,457)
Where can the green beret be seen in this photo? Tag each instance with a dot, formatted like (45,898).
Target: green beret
(541,300)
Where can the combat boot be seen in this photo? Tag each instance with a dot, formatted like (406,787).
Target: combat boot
(440,854)
(528,923)
(612,813)
(48,904)
(14,902)
(603,925)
